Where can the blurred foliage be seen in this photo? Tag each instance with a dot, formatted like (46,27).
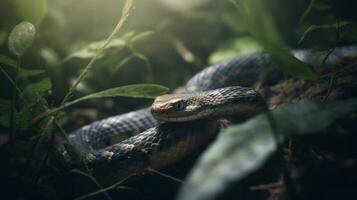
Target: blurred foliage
(241,149)
(46,45)
(242,46)
(32,11)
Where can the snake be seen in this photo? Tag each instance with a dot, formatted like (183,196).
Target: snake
(178,124)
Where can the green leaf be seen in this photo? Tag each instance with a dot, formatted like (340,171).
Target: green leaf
(242,149)
(138,91)
(260,24)
(5,107)
(7,61)
(148,91)
(39,87)
(21,38)
(31,106)
(28,73)
(293,66)
(235,49)
(33,11)
(90,50)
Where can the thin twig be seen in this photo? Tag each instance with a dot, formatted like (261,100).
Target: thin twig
(267,186)
(335,43)
(329,87)
(165,175)
(10,79)
(105,190)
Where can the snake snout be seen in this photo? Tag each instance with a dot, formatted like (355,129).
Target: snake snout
(159,111)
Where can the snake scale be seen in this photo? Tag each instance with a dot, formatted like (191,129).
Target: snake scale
(134,142)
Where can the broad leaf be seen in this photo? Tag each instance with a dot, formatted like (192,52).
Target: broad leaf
(7,61)
(148,91)
(21,38)
(242,149)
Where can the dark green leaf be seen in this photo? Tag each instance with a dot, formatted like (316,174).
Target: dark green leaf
(242,149)
(21,38)
(39,87)
(293,66)
(28,73)
(7,61)
(32,105)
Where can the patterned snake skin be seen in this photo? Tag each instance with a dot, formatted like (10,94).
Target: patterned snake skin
(100,141)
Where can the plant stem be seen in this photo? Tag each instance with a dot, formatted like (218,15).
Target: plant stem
(13,101)
(10,80)
(125,13)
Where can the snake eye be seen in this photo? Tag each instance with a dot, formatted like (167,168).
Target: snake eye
(179,106)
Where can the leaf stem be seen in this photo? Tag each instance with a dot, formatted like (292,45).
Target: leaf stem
(125,13)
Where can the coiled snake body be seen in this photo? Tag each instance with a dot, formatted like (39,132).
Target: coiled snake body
(206,98)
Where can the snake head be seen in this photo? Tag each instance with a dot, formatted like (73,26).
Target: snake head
(177,108)
(224,102)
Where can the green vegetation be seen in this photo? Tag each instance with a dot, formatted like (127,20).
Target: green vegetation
(60,60)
